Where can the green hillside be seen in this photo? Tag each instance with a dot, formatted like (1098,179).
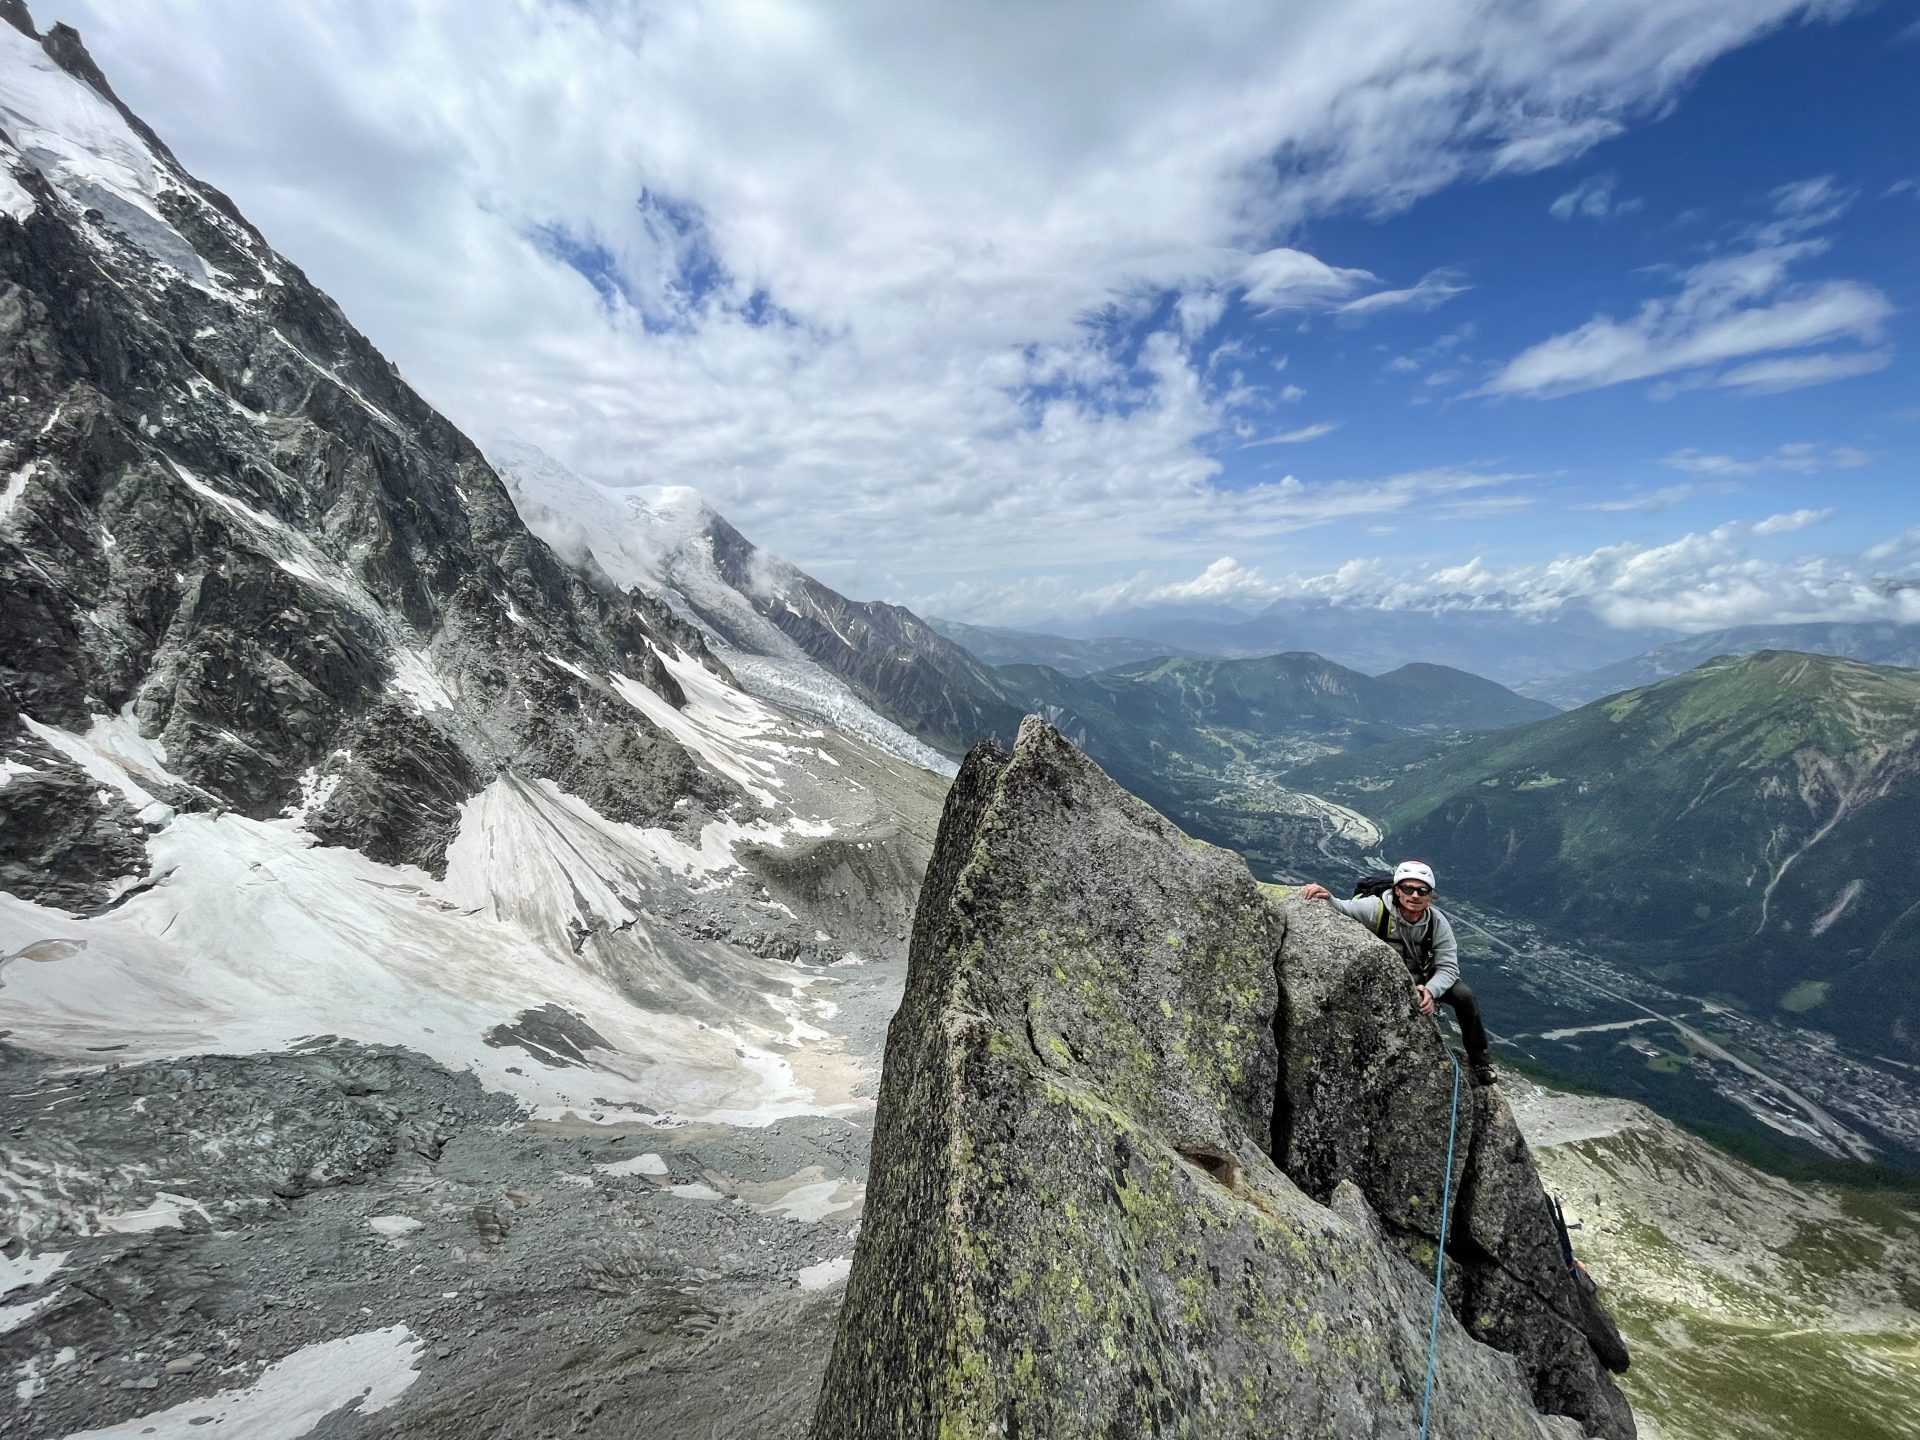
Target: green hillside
(1743,828)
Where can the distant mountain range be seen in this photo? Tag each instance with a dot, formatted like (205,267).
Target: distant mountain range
(1483,635)
(1209,740)
(997,646)
(1746,828)
(1880,643)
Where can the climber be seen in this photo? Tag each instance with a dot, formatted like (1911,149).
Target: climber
(1407,920)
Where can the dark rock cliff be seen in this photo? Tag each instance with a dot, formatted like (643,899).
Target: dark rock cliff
(1155,1156)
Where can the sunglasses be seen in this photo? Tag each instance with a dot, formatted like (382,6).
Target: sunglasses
(1408,887)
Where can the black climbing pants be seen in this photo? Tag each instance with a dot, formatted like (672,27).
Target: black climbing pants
(1459,998)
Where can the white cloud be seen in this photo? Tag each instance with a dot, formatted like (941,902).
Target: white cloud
(1702,581)
(1402,365)
(1226,581)
(1799,458)
(1552,141)
(1296,437)
(1728,308)
(1797,372)
(1905,543)
(1436,287)
(1198,314)
(1794,521)
(1804,197)
(1292,394)
(1286,279)
(868,303)
(1593,198)
(1652,502)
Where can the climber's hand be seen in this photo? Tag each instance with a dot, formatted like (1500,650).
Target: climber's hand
(1423,998)
(1311,891)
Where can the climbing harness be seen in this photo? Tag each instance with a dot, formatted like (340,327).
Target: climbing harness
(1440,1257)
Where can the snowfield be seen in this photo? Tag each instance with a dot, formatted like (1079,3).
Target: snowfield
(255,938)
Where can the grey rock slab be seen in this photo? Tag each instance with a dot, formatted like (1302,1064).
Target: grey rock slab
(1074,1222)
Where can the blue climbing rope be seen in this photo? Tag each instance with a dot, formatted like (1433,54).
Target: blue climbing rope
(1440,1259)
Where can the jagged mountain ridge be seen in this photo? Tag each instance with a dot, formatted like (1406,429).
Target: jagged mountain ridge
(761,611)
(1879,643)
(1735,829)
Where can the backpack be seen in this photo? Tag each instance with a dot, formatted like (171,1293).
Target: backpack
(1382,886)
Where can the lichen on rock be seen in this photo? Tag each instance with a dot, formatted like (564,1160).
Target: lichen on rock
(1075,1224)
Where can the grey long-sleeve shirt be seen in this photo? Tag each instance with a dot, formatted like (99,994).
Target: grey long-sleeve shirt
(1407,937)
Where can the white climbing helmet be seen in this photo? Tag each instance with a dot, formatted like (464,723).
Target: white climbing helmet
(1414,870)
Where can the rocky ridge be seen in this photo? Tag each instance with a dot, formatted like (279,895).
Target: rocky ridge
(1156,1155)
(782,630)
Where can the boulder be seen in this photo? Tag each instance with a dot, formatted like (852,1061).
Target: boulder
(1075,1224)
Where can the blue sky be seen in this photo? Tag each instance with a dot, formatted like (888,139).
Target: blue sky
(978,309)
(1833,103)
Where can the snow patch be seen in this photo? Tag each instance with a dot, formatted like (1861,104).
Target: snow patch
(14,199)
(165,1212)
(23,1272)
(315,790)
(695,1191)
(16,485)
(394,1226)
(648,1164)
(366,1372)
(1846,898)
(12,1317)
(726,728)
(826,1274)
(413,677)
(103,767)
(813,1202)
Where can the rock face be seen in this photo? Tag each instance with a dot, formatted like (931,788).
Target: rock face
(1075,1223)
(1364,1098)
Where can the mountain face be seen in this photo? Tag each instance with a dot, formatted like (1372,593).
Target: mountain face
(994,646)
(404,934)
(787,637)
(1737,829)
(1154,1154)
(1876,643)
(263,600)
(230,529)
